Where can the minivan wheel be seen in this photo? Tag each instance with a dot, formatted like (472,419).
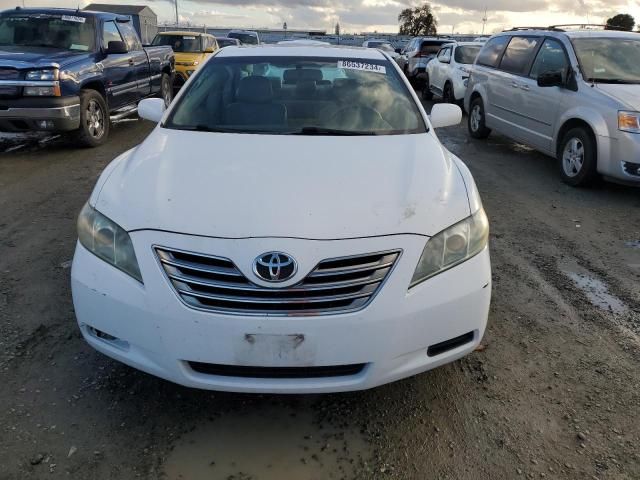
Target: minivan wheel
(476,119)
(94,120)
(577,158)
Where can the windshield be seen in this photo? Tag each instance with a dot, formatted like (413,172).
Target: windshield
(381,45)
(180,43)
(297,95)
(467,54)
(66,32)
(225,42)
(245,38)
(609,60)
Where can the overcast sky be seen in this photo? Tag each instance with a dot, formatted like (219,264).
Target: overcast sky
(460,16)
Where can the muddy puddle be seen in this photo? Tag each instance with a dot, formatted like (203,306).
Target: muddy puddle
(595,289)
(267,442)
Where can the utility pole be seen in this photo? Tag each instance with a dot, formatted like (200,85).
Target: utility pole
(484,19)
(177,18)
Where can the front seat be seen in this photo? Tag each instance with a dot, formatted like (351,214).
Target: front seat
(254,104)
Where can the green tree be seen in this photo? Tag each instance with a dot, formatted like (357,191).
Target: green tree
(337,30)
(418,21)
(621,21)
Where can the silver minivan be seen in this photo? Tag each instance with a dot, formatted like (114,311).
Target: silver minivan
(572,94)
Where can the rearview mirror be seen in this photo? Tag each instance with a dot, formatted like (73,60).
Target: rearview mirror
(551,79)
(445,115)
(117,47)
(151,109)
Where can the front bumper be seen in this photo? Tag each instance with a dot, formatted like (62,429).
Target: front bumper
(619,157)
(149,328)
(28,114)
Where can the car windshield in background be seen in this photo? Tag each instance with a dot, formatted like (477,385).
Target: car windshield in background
(297,95)
(467,54)
(381,45)
(431,47)
(609,60)
(245,38)
(180,43)
(66,32)
(226,42)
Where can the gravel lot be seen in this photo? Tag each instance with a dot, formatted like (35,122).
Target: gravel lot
(554,391)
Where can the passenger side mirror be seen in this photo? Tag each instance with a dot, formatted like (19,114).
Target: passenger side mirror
(117,47)
(445,59)
(151,109)
(209,50)
(551,79)
(445,115)
(399,51)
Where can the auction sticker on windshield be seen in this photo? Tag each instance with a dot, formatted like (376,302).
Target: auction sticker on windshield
(72,18)
(367,67)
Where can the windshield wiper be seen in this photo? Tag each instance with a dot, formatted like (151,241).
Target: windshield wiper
(614,80)
(330,131)
(216,129)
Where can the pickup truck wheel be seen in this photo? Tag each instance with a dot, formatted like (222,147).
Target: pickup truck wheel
(94,119)
(166,89)
(476,122)
(577,158)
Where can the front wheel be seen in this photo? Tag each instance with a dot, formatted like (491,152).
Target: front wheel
(166,89)
(578,158)
(94,120)
(476,120)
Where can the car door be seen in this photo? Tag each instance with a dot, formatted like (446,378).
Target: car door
(506,93)
(541,104)
(440,66)
(139,60)
(121,78)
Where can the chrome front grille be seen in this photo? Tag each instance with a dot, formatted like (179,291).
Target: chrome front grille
(335,285)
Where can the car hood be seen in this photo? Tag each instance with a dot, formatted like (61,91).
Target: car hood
(317,187)
(627,94)
(38,57)
(188,56)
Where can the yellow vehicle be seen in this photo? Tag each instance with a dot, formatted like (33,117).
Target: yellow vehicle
(191,50)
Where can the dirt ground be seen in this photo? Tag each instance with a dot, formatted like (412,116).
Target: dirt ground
(554,392)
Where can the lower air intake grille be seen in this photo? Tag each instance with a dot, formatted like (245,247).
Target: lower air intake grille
(335,285)
(276,372)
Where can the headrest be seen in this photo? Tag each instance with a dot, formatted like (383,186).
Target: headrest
(297,74)
(254,89)
(305,88)
(345,83)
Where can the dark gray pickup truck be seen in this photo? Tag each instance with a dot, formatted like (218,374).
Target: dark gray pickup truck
(64,70)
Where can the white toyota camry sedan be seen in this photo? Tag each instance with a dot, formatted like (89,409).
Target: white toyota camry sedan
(292,225)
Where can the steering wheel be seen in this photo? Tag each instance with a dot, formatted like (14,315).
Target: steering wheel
(351,114)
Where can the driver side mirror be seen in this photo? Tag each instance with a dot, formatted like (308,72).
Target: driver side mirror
(551,79)
(117,47)
(151,109)
(445,115)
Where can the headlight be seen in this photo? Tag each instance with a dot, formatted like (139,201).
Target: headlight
(629,122)
(41,91)
(49,75)
(108,241)
(452,246)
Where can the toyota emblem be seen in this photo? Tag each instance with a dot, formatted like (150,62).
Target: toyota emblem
(274,267)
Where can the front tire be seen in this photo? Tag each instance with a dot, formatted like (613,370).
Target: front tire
(577,158)
(166,89)
(476,120)
(427,94)
(94,120)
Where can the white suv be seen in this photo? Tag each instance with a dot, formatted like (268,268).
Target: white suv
(448,73)
(418,53)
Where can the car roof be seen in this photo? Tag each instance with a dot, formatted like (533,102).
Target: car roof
(270,50)
(106,16)
(469,44)
(185,32)
(580,33)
